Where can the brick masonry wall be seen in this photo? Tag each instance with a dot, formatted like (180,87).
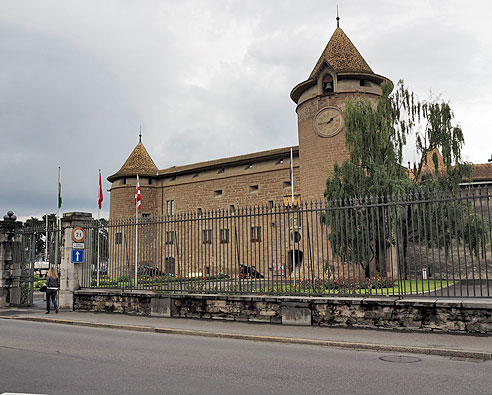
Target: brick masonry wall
(122,204)
(318,155)
(454,316)
(198,190)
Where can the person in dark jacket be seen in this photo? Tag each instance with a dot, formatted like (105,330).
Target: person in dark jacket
(52,289)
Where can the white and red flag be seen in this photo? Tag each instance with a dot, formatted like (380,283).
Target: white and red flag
(100,194)
(138,195)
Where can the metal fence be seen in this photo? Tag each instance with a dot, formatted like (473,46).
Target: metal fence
(34,258)
(430,244)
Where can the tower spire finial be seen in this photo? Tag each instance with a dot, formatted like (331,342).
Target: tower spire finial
(338,18)
(140,135)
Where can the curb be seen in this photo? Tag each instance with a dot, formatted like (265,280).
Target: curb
(444,352)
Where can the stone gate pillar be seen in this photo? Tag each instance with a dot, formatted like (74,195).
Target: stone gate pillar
(71,273)
(10,269)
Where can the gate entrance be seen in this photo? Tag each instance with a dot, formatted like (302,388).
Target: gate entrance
(34,252)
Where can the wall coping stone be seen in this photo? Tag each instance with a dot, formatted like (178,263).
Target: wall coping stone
(477,304)
(346,300)
(380,301)
(416,302)
(450,303)
(294,304)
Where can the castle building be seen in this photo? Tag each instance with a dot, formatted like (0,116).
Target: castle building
(227,240)
(260,178)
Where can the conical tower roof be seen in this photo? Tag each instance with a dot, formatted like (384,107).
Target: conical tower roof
(340,53)
(344,59)
(139,162)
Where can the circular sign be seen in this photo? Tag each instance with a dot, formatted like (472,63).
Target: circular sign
(78,234)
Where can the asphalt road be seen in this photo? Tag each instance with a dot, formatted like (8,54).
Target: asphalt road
(45,358)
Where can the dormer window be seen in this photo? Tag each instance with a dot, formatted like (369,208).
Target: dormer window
(327,84)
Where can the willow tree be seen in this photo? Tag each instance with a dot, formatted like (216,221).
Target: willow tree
(376,134)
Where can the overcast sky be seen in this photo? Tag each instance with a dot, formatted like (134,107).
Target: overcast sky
(204,79)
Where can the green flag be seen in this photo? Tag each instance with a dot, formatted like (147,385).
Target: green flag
(59,188)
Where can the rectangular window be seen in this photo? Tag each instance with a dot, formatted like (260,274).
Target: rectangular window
(255,234)
(253,188)
(170,237)
(170,207)
(207,236)
(224,236)
(118,238)
(287,184)
(218,193)
(232,209)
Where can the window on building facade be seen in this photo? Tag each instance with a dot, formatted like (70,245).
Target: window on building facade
(199,212)
(221,170)
(118,239)
(232,209)
(287,184)
(224,236)
(255,234)
(207,236)
(170,237)
(271,204)
(253,188)
(170,207)
(249,166)
(218,193)
(280,161)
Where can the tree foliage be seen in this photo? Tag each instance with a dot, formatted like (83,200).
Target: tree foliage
(376,134)
(38,227)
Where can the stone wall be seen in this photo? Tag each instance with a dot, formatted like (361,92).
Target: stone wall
(458,316)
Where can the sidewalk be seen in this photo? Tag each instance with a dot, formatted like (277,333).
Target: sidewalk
(451,345)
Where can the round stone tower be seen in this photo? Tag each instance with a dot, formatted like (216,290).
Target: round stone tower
(123,185)
(341,74)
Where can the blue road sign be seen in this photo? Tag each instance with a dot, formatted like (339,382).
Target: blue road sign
(77,256)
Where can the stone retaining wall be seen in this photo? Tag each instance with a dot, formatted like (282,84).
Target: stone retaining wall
(462,316)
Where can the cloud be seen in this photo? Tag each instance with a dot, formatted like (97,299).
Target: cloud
(203,79)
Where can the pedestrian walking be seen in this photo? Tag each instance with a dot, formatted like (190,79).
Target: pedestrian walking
(51,290)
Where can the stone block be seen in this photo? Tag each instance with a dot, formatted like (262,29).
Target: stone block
(296,316)
(160,307)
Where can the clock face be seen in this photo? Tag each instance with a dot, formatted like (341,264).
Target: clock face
(328,122)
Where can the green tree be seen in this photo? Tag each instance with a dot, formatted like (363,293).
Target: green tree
(38,228)
(376,134)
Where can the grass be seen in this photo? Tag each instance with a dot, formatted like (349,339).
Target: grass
(325,288)
(404,287)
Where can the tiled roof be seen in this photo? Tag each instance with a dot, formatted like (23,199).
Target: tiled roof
(139,162)
(482,172)
(233,160)
(342,55)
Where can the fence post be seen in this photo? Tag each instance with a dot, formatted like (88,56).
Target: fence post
(71,273)
(10,270)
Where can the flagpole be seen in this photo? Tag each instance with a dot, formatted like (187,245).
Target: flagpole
(291,171)
(58,206)
(136,232)
(46,242)
(99,201)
